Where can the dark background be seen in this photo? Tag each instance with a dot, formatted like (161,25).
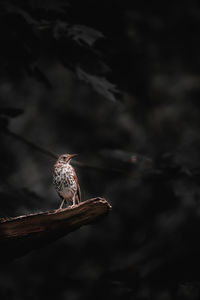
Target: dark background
(120,85)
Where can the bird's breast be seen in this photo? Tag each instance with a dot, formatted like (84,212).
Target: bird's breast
(63,178)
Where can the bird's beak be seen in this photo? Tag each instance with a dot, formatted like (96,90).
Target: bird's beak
(73,155)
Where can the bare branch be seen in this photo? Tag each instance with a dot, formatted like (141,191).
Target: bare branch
(31,144)
(55,156)
(20,235)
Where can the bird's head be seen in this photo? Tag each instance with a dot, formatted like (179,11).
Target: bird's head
(65,158)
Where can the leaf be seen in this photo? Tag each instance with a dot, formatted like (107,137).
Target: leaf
(37,73)
(100,84)
(19,11)
(83,34)
(11,112)
(3,123)
(7,112)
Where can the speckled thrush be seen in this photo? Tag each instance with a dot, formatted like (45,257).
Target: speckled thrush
(65,180)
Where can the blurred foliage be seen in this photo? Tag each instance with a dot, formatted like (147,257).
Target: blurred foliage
(39,32)
(147,145)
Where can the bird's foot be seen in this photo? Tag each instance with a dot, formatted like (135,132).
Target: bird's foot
(58,209)
(72,206)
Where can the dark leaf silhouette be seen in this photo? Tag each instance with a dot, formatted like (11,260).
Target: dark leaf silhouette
(100,84)
(84,35)
(36,72)
(4,122)
(11,112)
(53,34)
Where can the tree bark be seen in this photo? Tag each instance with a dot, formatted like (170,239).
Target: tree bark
(20,235)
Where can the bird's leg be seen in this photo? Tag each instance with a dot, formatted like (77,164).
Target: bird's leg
(77,199)
(62,203)
(74,200)
(60,207)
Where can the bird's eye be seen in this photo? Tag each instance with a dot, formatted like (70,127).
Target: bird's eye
(64,157)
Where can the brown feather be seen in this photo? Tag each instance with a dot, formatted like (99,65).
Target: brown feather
(78,196)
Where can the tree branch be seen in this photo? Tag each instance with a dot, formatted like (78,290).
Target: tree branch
(31,144)
(20,235)
(55,156)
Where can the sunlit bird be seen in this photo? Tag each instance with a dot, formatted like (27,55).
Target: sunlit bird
(65,180)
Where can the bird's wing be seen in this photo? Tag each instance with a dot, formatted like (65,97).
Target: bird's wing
(78,188)
(79,192)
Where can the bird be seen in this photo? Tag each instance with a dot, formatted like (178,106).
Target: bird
(65,180)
